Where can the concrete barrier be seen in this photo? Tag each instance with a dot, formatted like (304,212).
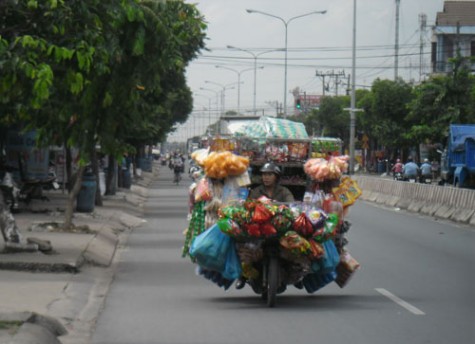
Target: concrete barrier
(446,202)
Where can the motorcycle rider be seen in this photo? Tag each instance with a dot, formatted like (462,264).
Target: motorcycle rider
(397,168)
(270,186)
(178,167)
(410,170)
(426,171)
(271,189)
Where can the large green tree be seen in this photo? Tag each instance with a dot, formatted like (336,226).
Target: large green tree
(440,101)
(92,72)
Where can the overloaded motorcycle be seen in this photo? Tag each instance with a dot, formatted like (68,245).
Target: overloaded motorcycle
(269,261)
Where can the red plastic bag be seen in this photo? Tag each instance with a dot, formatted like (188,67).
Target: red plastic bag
(261,214)
(303,226)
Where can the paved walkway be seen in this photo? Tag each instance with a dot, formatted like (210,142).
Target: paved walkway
(26,298)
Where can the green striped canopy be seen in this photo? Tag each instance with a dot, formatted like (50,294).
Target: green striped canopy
(278,128)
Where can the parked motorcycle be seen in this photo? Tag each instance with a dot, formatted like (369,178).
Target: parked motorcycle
(9,189)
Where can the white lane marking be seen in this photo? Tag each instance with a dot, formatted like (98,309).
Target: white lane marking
(399,301)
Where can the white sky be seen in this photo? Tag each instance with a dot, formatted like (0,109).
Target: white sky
(316,42)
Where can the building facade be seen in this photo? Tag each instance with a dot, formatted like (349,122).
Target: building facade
(453,32)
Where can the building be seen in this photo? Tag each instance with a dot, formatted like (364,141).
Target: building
(454,30)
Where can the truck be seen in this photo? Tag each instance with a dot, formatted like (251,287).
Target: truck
(458,159)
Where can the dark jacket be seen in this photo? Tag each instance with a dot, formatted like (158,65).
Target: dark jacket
(280,194)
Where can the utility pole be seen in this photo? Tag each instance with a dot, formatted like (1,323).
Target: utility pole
(396,45)
(330,74)
(423,22)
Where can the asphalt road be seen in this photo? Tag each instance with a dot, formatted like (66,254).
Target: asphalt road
(416,285)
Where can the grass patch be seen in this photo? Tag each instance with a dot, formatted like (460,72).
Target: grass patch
(10,326)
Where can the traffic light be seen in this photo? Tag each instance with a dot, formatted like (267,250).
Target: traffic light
(298,103)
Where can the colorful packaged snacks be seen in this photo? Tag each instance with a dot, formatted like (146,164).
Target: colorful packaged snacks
(303,225)
(295,243)
(347,192)
(330,228)
(346,269)
(220,165)
(229,227)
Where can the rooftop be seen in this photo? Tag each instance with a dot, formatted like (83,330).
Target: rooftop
(457,12)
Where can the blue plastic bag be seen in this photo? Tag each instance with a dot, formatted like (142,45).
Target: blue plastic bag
(331,258)
(316,281)
(232,267)
(210,249)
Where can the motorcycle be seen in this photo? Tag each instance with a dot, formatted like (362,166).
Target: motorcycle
(425,179)
(276,271)
(398,176)
(9,190)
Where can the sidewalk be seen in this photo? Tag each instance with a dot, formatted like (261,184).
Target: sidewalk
(30,282)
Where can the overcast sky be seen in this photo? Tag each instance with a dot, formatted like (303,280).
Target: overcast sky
(316,43)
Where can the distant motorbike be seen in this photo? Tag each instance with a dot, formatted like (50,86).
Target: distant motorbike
(410,178)
(398,176)
(425,179)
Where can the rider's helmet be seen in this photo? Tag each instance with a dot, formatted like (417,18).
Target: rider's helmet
(426,160)
(398,160)
(271,167)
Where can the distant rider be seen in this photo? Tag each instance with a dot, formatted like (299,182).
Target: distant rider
(410,170)
(426,170)
(398,167)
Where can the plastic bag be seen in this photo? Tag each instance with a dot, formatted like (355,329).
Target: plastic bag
(346,269)
(210,249)
(347,192)
(232,267)
(203,191)
(331,258)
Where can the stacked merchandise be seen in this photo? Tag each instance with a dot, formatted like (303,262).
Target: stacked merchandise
(227,230)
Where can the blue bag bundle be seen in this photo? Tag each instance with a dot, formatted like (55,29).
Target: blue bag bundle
(210,249)
(216,278)
(331,257)
(313,282)
(232,267)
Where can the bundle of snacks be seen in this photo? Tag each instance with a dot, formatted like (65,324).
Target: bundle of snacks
(320,168)
(219,165)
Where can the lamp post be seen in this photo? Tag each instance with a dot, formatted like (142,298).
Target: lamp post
(286,24)
(209,105)
(223,90)
(254,56)
(238,82)
(217,98)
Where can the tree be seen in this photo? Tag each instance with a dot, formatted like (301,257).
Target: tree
(440,101)
(93,72)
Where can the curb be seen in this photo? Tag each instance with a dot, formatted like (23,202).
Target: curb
(34,328)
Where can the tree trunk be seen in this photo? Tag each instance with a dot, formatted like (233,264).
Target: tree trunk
(111,176)
(68,215)
(69,161)
(95,170)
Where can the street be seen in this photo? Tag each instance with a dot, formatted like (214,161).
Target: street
(415,286)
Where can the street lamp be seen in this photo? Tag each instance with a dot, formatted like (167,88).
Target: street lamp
(209,104)
(286,23)
(223,90)
(238,82)
(255,56)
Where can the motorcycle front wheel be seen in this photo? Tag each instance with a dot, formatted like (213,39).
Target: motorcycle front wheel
(272,280)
